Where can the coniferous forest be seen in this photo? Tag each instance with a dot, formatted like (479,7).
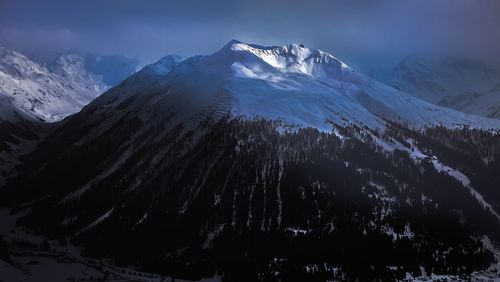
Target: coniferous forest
(248,199)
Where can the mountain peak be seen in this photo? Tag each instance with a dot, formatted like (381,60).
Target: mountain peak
(290,57)
(234,41)
(293,84)
(236,45)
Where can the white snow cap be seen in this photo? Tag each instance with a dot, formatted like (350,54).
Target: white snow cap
(292,58)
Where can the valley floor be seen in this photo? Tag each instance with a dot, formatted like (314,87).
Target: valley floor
(33,261)
(33,258)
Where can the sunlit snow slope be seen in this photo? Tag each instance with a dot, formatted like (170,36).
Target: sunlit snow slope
(293,84)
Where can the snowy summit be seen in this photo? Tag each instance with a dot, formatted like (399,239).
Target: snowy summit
(293,84)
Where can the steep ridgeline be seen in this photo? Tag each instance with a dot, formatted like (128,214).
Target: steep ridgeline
(267,162)
(458,83)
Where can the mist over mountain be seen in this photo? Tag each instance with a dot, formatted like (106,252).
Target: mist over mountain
(112,69)
(460,83)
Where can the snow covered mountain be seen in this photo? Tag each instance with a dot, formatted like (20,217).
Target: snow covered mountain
(292,84)
(48,93)
(41,94)
(462,84)
(188,168)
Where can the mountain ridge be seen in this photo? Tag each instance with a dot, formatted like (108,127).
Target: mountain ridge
(296,85)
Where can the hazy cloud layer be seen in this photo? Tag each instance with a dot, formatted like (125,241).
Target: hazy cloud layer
(360,32)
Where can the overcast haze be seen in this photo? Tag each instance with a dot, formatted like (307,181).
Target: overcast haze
(359,32)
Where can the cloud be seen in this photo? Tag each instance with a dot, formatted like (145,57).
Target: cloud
(39,40)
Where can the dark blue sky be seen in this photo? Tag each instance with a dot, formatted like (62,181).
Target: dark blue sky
(360,32)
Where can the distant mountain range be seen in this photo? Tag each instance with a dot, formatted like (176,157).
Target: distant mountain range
(50,92)
(462,84)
